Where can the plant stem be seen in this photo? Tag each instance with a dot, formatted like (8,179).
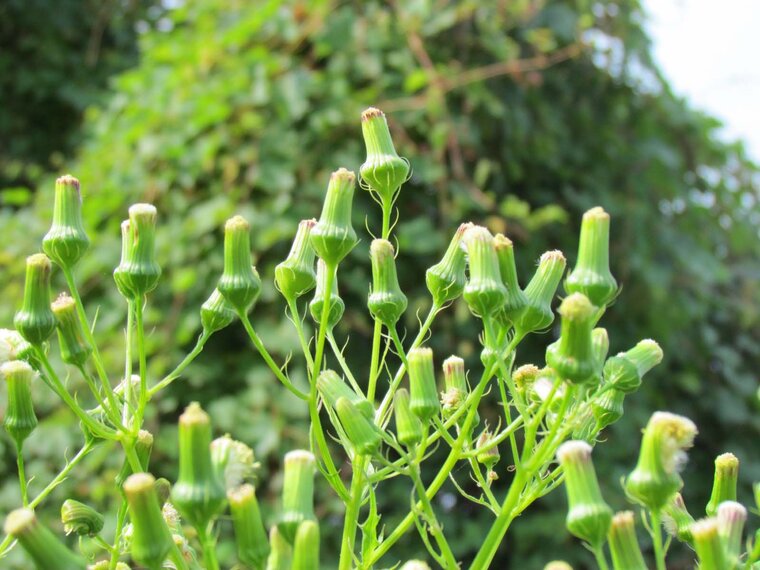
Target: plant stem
(174,374)
(659,553)
(343,364)
(121,518)
(21,473)
(208,545)
(350,521)
(142,360)
(601,560)
(374,365)
(298,324)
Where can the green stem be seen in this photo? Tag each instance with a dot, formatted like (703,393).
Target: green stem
(111,413)
(175,555)
(351,519)
(343,364)
(601,559)
(374,365)
(387,207)
(298,324)
(659,553)
(174,374)
(208,545)
(121,518)
(142,400)
(22,473)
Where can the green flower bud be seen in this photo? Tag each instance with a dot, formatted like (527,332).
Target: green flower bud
(731,519)
(408,426)
(216,313)
(645,355)
(591,275)
(558,565)
(198,494)
(66,241)
(708,545)
(250,534)
(656,479)
(424,395)
(601,341)
(455,383)
(516,299)
(624,546)
(677,520)
(488,457)
(233,461)
(240,283)
(415,565)
(445,280)
(163,491)
(295,276)
(537,315)
(80,519)
(106,564)
(317,303)
(42,546)
(384,171)
(608,408)
(35,321)
(386,300)
(626,370)
(588,517)
(724,482)
(361,432)
(139,272)
(334,237)
(573,356)
(332,387)
(143,448)
(524,378)
(306,547)
(151,538)
(14,347)
(297,494)
(281,554)
(74,348)
(20,419)
(484,292)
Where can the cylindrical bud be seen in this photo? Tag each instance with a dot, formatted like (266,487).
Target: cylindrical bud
(558,565)
(677,520)
(384,171)
(487,456)
(14,347)
(334,237)
(707,543)
(573,356)
(295,276)
(151,539)
(724,482)
(163,491)
(75,349)
(537,314)
(240,283)
(281,554)
(624,546)
(297,493)
(216,313)
(516,299)
(445,280)
(361,432)
(524,377)
(306,547)
(626,370)
(66,241)
(484,292)
(591,275)
(608,408)
(588,516)
(455,384)
(42,546)
(80,519)
(139,272)
(601,342)
(250,534)
(316,307)
(656,478)
(143,448)
(408,426)
(232,460)
(731,518)
(645,355)
(198,494)
(386,300)
(35,321)
(424,395)
(20,419)
(332,387)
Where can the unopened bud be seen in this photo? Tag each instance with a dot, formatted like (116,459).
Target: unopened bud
(35,321)
(601,342)
(445,280)
(361,431)
(14,347)
(558,565)
(334,237)
(424,395)
(42,546)
(295,276)
(332,387)
(677,520)
(106,565)
(383,170)
(588,517)
(386,300)
(151,539)
(297,493)
(608,408)
(626,370)
(656,478)
(484,292)
(281,554)
(216,313)
(233,461)
(624,546)
(487,456)
(572,356)
(240,283)
(306,547)
(408,426)
(516,299)
(731,518)
(537,315)
(250,534)
(455,384)
(66,241)
(591,274)
(139,272)
(316,307)
(415,565)
(80,519)
(708,545)
(724,482)
(20,419)
(75,349)
(524,377)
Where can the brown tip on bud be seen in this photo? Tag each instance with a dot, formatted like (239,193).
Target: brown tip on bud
(310,223)
(554,255)
(68,180)
(371,113)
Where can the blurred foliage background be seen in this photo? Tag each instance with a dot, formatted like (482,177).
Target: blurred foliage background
(519,114)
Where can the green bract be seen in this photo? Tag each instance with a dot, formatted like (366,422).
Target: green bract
(66,241)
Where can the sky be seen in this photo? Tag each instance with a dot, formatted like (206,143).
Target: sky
(710,52)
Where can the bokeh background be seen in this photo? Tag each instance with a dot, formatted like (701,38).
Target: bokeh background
(519,114)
